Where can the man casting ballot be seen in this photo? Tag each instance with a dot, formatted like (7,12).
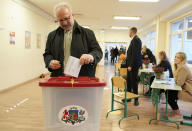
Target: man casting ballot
(71,39)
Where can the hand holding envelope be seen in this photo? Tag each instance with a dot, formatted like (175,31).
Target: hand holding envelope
(86,59)
(74,64)
(72,67)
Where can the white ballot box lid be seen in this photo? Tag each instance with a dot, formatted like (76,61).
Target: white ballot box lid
(67,81)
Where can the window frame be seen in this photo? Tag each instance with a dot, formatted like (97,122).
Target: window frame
(182,32)
(146,39)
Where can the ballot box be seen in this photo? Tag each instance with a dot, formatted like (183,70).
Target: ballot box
(72,104)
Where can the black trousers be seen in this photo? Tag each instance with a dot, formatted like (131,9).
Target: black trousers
(151,81)
(172,99)
(132,81)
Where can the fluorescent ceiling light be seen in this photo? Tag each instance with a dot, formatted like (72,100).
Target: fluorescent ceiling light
(126,18)
(190,21)
(139,0)
(119,28)
(85,26)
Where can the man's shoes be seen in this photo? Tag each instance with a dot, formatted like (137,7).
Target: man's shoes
(136,103)
(128,100)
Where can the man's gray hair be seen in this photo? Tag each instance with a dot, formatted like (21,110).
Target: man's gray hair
(62,4)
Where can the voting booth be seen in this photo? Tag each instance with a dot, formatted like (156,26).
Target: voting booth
(72,104)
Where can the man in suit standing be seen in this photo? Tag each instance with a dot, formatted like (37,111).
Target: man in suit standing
(133,62)
(71,39)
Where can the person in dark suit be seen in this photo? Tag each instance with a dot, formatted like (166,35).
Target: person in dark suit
(133,62)
(71,39)
(116,52)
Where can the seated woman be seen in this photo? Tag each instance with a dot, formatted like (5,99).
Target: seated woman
(163,62)
(183,78)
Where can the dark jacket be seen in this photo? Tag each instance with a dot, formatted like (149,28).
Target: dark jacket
(167,67)
(150,55)
(116,52)
(83,42)
(134,58)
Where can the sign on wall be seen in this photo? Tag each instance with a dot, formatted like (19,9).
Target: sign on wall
(38,44)
(27,39)
(12,38)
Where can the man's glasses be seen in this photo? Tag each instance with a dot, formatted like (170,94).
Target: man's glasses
(63,20)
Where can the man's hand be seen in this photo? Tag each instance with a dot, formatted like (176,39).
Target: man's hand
(54,65)
(86,59)
(129,68)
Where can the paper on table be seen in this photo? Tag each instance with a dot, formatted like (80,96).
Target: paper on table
(72,67)
(163,82)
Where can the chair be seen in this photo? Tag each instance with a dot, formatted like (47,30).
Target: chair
(120,83)
(117,68)
(123,73)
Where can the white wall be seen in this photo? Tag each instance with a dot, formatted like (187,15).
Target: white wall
(17,63)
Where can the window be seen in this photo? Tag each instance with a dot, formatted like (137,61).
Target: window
(153,34)
(178,26)
(189,22)
(181,38)
(153,44)
(176,45)
(187,47)
(149,40)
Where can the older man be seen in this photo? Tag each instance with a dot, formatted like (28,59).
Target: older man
(71,39)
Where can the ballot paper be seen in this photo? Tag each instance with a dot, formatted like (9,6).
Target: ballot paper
(72,67)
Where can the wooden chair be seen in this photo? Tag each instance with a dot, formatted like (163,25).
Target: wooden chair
(117,68)
(120,83)
(123,72)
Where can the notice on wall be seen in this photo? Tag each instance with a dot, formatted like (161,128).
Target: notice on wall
(27,39)
(12,38)
(38,41)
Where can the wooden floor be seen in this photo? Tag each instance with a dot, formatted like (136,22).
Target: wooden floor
(28,116)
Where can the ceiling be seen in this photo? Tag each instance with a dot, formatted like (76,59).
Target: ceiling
(98,14)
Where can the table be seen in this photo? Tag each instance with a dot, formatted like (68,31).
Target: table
(145,77)
(167,85)
(147,70)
